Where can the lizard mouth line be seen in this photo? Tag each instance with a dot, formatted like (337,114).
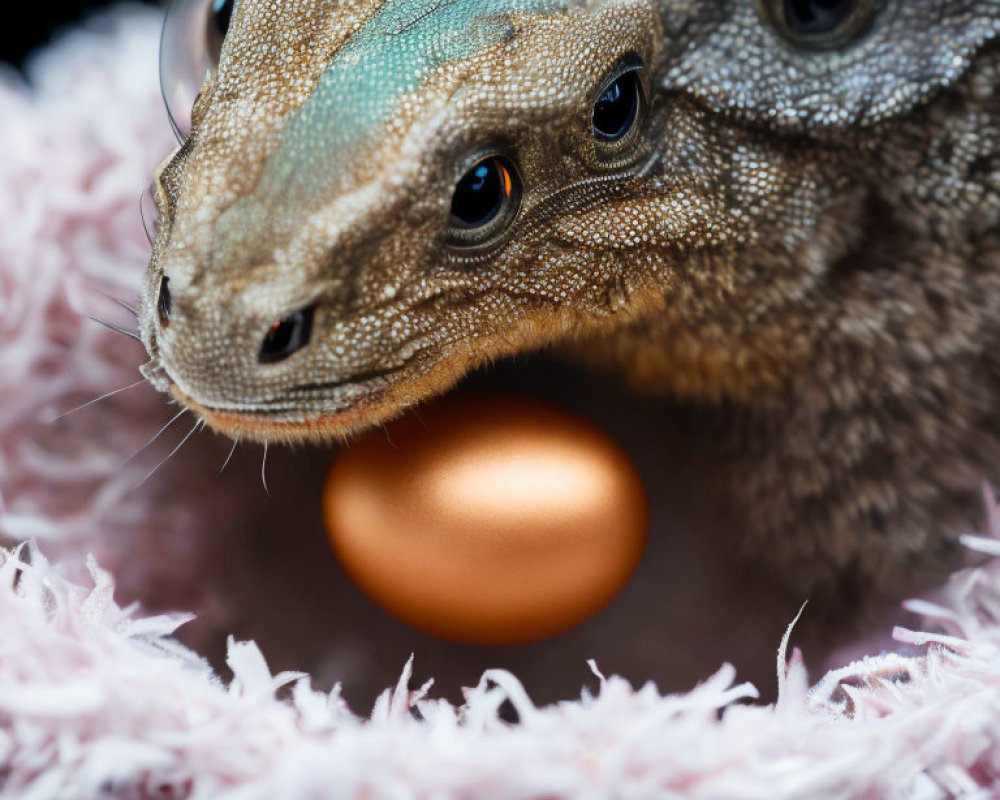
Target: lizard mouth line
(256,425)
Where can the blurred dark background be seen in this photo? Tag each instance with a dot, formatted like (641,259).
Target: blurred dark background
(34,23)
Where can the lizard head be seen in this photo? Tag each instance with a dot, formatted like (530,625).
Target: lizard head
(363,208)
(376,196)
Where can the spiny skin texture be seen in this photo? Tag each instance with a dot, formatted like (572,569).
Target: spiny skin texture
(807,240)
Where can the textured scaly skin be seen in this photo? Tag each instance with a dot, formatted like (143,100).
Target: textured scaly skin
(807,242)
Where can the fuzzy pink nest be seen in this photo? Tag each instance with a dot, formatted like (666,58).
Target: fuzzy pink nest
(101,701)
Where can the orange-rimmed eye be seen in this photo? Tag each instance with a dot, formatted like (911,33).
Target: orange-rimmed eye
(485,201)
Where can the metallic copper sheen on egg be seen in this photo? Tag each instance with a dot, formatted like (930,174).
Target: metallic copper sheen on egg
(488,519)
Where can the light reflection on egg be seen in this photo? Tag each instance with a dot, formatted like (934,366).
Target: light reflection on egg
(487,519)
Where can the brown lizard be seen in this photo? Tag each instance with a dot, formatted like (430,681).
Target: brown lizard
(785,210)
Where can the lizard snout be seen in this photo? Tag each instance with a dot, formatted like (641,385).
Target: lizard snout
(266,363)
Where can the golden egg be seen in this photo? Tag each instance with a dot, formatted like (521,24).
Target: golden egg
(487,519)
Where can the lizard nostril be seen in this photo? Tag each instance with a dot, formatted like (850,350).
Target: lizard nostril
(163,302)
(287,336)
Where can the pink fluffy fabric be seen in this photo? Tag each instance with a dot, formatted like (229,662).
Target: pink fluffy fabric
(79,143)
(101,701)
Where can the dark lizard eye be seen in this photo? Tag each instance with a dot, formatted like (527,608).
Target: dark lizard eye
(617,109)
(819,23)
(287,336)
(485,201)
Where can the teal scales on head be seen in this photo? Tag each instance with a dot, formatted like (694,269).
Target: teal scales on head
(389,57)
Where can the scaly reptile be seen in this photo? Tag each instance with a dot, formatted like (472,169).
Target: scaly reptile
(786,210)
